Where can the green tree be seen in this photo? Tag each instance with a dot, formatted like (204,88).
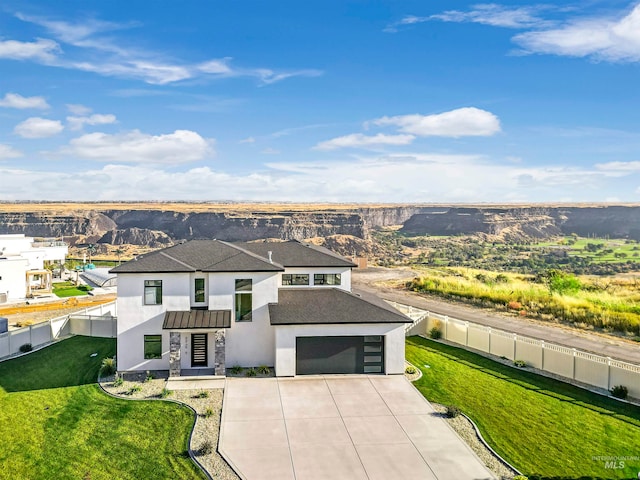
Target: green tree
(562,283)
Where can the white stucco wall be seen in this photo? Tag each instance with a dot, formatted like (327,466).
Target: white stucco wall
(13,277)
(345,277)
(248,344)
(136,319)
(285,363)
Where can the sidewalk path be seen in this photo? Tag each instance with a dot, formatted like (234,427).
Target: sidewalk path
(368,280)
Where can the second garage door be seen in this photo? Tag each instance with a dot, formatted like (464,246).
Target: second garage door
(343,354)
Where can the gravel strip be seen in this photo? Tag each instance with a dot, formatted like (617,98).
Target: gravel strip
(204,441)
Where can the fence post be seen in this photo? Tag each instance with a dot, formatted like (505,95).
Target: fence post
(573,372)
(466,340)
(542,352)
(446,327)
(609,373)
(31,334)
(489,339)
(515,345)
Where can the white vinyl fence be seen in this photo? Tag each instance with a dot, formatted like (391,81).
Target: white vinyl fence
(97,321)
(584,367)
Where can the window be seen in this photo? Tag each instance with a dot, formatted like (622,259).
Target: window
(243,300)
(295,279)
(152,346)
(153,292)
(326,279)
(198,289)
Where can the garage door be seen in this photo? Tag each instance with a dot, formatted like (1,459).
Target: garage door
(345,354)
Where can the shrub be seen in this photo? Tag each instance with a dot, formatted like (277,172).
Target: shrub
(165,392)
(251,372)
(208,412)
(108,366)
(24,323)
(118,382)
(134,389)
(520,477)
(620,391)
(264,370)
(411,370)
(452,411)
(236,369)
(203,394)
(148,378)
(206,448)
(520,363)
(27,347)
(435,333)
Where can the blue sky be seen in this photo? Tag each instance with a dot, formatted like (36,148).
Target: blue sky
(330,101)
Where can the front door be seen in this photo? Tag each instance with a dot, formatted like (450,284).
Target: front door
(198,349)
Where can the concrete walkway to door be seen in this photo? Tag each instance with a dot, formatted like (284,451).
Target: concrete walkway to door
(339,427)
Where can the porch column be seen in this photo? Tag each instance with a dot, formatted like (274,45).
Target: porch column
(220,368)
(174,354)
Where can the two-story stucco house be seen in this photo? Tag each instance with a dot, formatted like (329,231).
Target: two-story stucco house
(208,304)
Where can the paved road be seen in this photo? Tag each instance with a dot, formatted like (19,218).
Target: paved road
(369,280)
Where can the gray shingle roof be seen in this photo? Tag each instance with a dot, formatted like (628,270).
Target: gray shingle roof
(317,306)
(297,254)
(219,256)
(174,320)
(199,255)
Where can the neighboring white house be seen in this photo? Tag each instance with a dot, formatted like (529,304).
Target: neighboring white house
(208,304)
(22,266)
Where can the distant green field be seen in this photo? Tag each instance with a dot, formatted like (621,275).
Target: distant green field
(609,251)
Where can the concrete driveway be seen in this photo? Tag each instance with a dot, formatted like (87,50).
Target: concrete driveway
(339,427)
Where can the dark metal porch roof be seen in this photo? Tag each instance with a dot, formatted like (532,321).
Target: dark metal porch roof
(176,320)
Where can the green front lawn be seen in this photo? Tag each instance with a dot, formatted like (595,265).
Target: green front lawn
(69,289)
(55,421)
(545,428)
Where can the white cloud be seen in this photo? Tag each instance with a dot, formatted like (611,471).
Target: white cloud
(247,140)
(603,38)
(97,53)
(7,151)
(181,146)
(219,67)
(486,14)
(42,50)
(624,167)
(462,122)
(15,100)
(76,123)
(270,151)
(36,127)
(360,140)
(401,177)
(77,109)
(497,16)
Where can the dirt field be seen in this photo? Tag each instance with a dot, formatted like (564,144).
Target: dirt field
(31,315)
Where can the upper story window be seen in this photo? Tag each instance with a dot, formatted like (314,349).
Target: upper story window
(244,299)
(326,279)
(295,279)
(153,292)
(198,290)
